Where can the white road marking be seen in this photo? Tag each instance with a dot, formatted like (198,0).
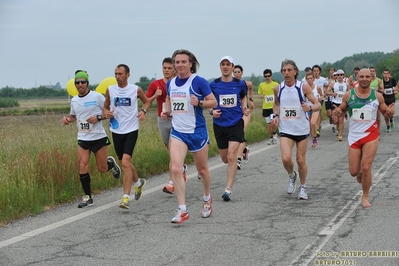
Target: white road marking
(309,253)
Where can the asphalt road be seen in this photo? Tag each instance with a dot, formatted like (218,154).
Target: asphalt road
(262,225)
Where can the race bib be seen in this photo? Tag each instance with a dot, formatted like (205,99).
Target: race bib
(340,95)
(290,113)
(388,91)
(269,98)
(228,100)
(84,126)
(179,105)
(361,115)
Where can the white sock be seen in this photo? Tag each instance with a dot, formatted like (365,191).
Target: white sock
(183,207)
(138,183)
(126,195)
(170,182)
(206,198)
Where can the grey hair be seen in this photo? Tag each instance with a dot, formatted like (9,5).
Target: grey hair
(290,62)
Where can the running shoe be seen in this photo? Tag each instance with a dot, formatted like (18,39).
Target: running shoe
(333,129)
(275,140)
(206,210)
(318,133)
(302,193)
(86,202)
(226,195)
(291,184)
(170,189)
(246,154)
(315,143)
(138,191)
(388,129)
(198,176)
(115,170)
(185,172)
(125,203)
(239,164)
(339,138)
(270,142)
(180,216)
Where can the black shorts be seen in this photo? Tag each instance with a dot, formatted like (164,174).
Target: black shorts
(267,112)
(328,105)
(294,138)
(225,134)
(124,143)
(93,145)
(389,100)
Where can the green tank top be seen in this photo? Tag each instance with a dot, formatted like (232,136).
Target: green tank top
(355,102)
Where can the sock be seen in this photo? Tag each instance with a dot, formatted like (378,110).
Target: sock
(228,189)
(292,174)
(206,198)
(126,195)
(110,165)
(183,207)
(138,183)
(85,181)
(170,182)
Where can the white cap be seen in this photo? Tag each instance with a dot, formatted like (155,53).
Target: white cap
(228,58)
(340,71)
(335,73)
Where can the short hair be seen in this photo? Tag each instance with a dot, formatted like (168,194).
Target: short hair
(310,74)
(387,70)
(191,57)
(240,67)
(267,71)
(167,60)
(127,69)
(371,67)
(316,66)
(290,62)
(356,68)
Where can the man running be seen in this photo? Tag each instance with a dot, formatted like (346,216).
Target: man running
(362,103)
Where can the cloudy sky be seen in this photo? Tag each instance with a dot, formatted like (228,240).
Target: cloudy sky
(44,41)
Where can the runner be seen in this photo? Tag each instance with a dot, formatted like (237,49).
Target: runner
(290,115)
(328,99)
(121,106)
(338,90)
(266,93)
(187,95)
(243,150)
(362,104)
(389,96)
(86,111)
(320,82)
(228,124)
(313,115)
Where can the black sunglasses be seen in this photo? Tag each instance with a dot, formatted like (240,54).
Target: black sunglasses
(81,82)
(267,76)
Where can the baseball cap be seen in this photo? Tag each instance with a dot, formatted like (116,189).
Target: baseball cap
(340,71)
(228,58)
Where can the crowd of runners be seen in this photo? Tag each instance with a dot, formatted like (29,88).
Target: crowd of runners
(292,111)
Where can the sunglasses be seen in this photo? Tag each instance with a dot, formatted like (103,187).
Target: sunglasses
(81,82)
(340,74)
(267,76)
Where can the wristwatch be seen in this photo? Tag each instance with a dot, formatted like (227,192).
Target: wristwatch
(99,117)
(251,99)
(200,103)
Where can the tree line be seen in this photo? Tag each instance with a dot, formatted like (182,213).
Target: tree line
(379,60)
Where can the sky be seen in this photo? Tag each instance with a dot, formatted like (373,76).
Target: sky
(43,42)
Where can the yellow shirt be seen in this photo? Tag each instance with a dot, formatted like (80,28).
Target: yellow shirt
(267,89)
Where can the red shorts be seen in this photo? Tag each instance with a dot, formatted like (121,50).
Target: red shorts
(370,137)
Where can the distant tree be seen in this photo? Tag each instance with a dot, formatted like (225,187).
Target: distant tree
(144,82)
(57,86)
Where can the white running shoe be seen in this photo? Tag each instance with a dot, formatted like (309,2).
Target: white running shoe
(302,193)
(291,184)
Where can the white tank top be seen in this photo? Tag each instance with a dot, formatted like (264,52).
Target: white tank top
(124,104)
(293,119)
(83,107)
(341,89)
